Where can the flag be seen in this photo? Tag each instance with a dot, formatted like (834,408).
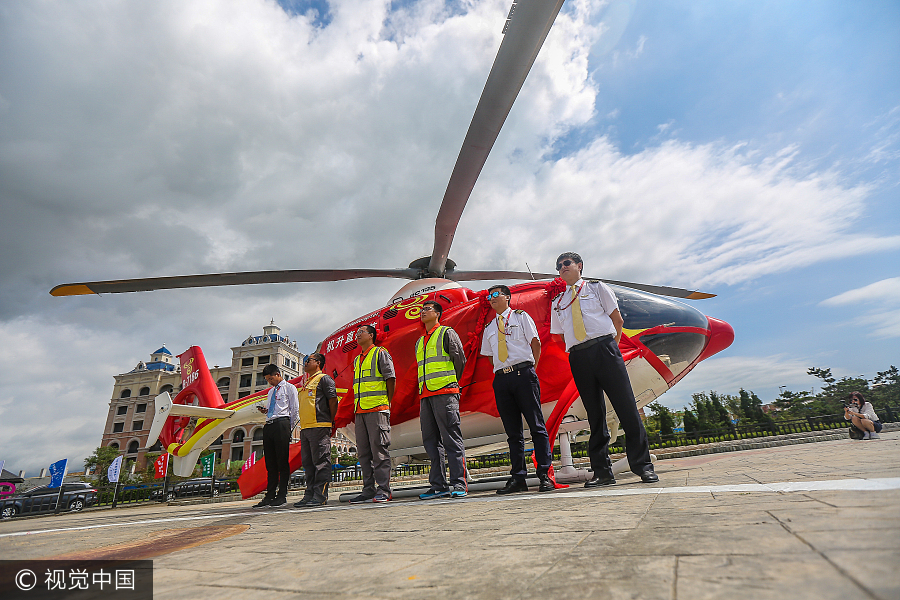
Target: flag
(161,466)
(247,463)
(114,470)
(207,461)
(58,473)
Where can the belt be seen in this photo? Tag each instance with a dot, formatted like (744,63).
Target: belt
(517,367)
(276,419)
(592,342)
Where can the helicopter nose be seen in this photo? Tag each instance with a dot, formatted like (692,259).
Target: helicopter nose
(721,335)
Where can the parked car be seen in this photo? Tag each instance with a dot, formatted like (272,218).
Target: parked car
(298,479)
(75,496)
(192,487)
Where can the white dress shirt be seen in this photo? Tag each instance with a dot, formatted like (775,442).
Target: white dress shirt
(283,402)
(597,303)
(520,330)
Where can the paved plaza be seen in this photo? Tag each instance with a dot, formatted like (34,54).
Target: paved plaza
(815,520)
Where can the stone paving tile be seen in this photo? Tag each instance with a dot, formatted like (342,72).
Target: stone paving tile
(854,539)
(823,517)
(770,575)
(605,576)
(876,570)
(761,538)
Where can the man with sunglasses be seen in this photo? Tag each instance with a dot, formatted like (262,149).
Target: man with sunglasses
(318,405)
(440,361)
(587,316)
(512,341)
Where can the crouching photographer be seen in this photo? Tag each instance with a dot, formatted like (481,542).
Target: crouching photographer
(860,413)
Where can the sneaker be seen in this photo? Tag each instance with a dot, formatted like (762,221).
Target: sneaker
(433,493)
(459,494)
(263,503)
(313,503)
(381,498)
(302,502)
(361,499)
(874,436)
(867,435)
(278,502)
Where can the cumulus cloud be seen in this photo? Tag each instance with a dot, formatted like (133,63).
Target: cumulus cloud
(169,138)
(882,301)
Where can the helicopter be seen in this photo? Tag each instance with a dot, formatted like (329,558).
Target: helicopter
(663,339)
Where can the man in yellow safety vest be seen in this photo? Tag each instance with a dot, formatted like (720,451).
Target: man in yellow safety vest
(440,361)
(373,388)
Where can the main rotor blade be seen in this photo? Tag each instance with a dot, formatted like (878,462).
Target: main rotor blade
(659,290)
(525,34)
(217,279)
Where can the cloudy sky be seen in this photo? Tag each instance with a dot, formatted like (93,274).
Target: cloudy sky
(749,149)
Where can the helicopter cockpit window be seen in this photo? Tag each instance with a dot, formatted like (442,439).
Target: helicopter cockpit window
(643,311)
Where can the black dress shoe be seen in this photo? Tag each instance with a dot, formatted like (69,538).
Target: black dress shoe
(599,480)
(513,485)
(546,483)
(649,476)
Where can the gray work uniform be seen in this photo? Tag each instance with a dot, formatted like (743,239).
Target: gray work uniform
(315,440)
(441,433)
(373,439)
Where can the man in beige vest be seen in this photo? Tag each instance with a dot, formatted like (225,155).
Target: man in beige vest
(318,405)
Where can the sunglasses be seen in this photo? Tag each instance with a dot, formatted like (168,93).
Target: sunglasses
(565,263)
(493,294)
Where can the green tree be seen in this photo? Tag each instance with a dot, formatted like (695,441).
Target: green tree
(700,407)
(722,418)
(691,424)
(885,389)
(99,462)
(793,404)
(665,419)
(831,398)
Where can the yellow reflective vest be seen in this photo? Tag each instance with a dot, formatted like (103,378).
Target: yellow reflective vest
(369,387)
(435,368)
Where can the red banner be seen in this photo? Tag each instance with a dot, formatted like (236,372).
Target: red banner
(249,462)
(161,466)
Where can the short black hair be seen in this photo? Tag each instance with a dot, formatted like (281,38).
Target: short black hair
(503,290)
(271,369)
(374,332)
(319,358)
(573,255)
(436,306)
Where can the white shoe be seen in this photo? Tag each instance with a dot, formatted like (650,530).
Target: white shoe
(874,436)
(867,436)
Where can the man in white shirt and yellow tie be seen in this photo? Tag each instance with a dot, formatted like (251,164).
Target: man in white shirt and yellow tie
(511,339)
(587,316)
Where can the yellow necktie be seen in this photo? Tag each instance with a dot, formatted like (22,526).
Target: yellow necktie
(577,318)
(501,345)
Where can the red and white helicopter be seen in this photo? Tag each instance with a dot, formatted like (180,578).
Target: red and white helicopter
(663,339)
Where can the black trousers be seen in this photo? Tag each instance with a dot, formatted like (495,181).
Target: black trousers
(518,394)
(276,444)
(597,369)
